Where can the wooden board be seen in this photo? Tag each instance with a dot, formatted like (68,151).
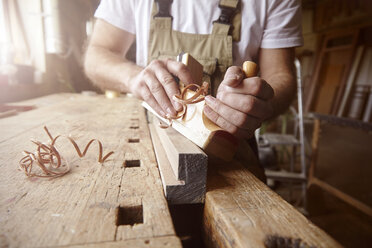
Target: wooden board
(241,211)
(93,203)
(182,165)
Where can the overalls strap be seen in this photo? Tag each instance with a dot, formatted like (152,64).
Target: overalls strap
(224,24)
(163,8)
(160,16)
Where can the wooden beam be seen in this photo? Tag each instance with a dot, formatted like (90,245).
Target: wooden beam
(241,211)
(182,165)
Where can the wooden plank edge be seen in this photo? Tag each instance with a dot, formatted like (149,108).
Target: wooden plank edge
(186,191)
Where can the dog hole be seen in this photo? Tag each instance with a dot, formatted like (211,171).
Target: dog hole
(134,127)
(129,215)
(133,140)
(132,163)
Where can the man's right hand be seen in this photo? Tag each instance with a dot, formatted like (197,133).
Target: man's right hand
(156,86)
(106,65)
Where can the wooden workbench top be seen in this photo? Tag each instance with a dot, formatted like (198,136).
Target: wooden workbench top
(100,205)
(121,203)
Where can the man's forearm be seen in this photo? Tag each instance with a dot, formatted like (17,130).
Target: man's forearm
(277,68)
(109,70)
(284,86)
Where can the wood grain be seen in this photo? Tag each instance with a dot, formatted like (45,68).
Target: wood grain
(240,211)
(81,207)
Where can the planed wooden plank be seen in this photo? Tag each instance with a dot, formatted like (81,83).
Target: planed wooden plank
(83,206)
(241,211)
(168,177)
(187,162)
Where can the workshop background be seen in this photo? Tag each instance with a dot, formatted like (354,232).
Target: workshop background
(328,134)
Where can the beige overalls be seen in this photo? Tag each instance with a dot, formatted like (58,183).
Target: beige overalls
(213,51)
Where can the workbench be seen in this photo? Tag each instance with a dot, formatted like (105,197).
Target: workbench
(121,203)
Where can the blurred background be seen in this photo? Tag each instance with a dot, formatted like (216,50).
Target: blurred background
(42,47)
(318,155)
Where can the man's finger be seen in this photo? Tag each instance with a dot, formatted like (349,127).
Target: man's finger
(233,76)
(157,90)
(149,98)
(232,116)
(254,86)
(226,125)
(247,104)
(169,84)
(180,70)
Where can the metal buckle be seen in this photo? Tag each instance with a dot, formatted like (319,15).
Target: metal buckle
(226,14)
(163,8)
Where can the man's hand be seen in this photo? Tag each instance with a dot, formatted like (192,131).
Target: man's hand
(242,104)
(106,65)
(156,85)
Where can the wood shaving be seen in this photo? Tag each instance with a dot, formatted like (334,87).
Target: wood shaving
(198,96)
(49,160)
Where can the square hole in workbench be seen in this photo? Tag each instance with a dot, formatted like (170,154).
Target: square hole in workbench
(133,140)
(129,215)
(134,127)
(132,163)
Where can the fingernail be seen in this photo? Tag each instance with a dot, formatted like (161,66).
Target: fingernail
(162,114)
(238,76)
(235,77)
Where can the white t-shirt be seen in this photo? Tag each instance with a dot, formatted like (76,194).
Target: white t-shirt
(265,23)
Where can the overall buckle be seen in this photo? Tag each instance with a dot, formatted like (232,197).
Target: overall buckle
(226,15)
(163,8)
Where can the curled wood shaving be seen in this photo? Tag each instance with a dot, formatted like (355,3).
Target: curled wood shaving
(49,160)
(198,96)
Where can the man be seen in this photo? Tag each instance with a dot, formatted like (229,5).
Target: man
(266,32)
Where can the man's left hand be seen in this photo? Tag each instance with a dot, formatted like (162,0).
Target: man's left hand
(241,105)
